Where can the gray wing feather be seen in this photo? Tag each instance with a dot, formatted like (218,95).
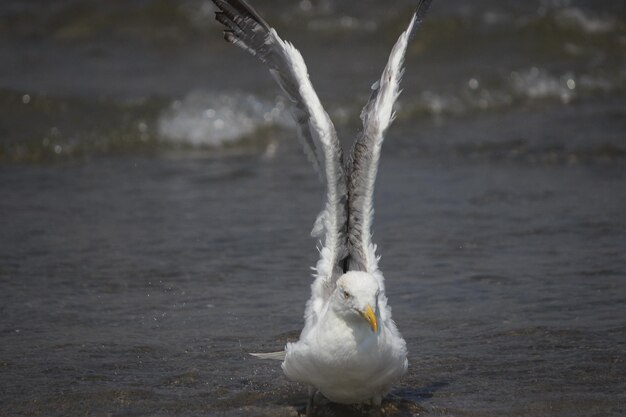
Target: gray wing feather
(377,115)
(247,29)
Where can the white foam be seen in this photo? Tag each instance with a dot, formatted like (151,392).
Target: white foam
(209,119)
(577,18)
(526,85)
(536,83)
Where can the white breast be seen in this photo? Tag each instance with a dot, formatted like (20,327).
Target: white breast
(347,362)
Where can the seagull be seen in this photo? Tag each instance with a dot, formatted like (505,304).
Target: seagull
(350,349)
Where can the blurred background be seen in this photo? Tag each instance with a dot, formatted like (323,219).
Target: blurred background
(155,203)
(83,78)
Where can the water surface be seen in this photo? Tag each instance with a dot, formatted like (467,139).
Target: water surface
(156,207)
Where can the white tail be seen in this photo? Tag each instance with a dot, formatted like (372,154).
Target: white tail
(275,356)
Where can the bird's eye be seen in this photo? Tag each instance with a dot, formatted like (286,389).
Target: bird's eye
(345,294)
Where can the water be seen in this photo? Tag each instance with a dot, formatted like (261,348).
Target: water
(156,208)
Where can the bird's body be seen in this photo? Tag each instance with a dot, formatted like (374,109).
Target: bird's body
(349,349)
(342,356)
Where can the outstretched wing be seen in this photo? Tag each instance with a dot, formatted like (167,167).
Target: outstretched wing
(247,29)
(377,115)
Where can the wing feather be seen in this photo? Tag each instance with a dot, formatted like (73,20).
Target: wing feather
(248,30)
(377,116)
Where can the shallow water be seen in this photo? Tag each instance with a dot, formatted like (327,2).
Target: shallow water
(145,249)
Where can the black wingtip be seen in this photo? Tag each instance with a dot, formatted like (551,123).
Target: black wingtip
(240,7)
(420,13)
(229,36)
(421,9)
(224,19)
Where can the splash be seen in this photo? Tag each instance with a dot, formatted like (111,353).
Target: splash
(536,83)
(522,86)
(211,120)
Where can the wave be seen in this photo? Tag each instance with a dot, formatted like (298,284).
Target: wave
(179,21)
(520,87)
(552,16)
(209,119)
(575,18)
(38,127)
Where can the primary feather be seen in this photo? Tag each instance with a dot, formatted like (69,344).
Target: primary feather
(377,116)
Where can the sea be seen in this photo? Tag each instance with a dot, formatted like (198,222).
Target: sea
(156,206)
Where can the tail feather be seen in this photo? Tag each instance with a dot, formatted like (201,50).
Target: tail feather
(275,356)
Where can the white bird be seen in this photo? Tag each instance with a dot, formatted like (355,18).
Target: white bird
(350,349)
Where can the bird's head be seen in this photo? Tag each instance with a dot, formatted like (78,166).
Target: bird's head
(356,297)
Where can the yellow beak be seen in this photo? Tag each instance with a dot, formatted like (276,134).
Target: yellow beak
(369,315)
